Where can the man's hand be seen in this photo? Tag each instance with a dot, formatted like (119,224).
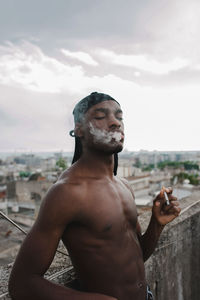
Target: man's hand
(162,212)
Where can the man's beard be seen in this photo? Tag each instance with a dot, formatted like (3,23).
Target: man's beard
(107,149)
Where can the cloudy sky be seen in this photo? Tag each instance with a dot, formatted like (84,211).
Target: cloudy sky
(146,54)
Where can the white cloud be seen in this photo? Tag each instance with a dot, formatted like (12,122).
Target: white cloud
(162,119)
(27,66)
(142,62)
(81,56)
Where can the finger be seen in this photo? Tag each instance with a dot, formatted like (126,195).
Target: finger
(160,196)
(172,198)
(157,207)
(177,211)
(168,190)
(174,210)
(174,203)
(169,209)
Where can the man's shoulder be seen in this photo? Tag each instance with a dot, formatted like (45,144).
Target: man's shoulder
(126,183)
(63,201)
(68,188)
(65,191)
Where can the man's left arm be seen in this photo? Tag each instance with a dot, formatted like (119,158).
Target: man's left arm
(162,214)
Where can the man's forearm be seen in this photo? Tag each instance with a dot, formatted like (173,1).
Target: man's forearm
(39,288)
(149,239)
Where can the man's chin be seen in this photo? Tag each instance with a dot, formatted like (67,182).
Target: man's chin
(119,149)
(114,149)
(109,148)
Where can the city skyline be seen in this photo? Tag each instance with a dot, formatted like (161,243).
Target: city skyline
(146,55)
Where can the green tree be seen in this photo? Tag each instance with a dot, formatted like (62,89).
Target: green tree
(24,174)
(193,178)
(148,167)
(61,163)
(189,165)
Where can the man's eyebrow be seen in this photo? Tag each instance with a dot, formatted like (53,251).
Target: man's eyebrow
(106,110)
(101,109)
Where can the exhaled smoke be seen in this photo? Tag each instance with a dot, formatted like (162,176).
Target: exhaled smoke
(103,136)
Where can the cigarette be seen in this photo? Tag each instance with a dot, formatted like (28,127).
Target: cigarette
(166,199)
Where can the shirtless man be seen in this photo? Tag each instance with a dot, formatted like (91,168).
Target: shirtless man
(94,213)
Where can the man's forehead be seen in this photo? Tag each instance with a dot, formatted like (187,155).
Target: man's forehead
(108,104)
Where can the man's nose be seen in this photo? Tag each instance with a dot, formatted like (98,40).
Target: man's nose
(114,122)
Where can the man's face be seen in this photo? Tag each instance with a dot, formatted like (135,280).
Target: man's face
(103,127)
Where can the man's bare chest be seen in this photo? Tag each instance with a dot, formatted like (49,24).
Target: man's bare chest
(109,209)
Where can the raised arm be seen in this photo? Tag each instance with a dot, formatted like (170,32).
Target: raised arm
(38,249)
(162,214)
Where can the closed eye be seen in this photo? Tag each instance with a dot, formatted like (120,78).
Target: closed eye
(119,115)
(99,118)
(120,118)
(99,115)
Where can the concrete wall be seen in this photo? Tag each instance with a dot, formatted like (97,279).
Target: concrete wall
(139,183)
(25,189)
(173,271)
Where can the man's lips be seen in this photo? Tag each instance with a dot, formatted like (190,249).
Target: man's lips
(117,131)
(106,136)
(117,135)
(122,137)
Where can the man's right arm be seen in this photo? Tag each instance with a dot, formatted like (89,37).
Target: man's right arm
(38,250)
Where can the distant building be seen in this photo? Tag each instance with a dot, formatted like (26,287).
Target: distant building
(3,199)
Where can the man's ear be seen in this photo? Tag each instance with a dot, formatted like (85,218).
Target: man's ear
(78,130)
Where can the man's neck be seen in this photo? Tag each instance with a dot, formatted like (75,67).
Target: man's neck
(97,163)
